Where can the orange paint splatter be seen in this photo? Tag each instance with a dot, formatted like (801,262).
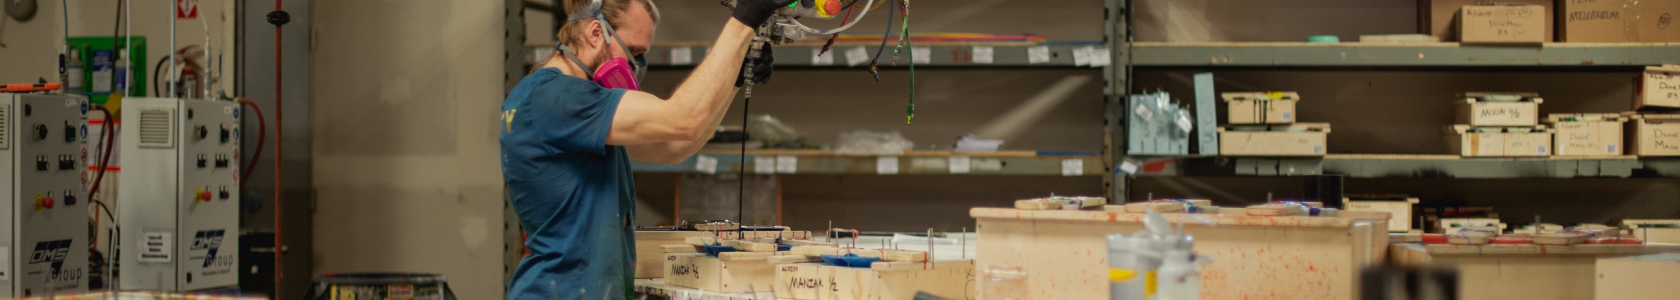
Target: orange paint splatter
(1113,216)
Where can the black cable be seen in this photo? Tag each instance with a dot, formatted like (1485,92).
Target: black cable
(741,202)
(155,70)
(107,211)
(892,10)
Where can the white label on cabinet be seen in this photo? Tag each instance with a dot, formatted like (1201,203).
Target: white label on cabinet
(921,55)
(787,164)
(1073,167)
(1081,56)
(856,56)
(982,55)
(764,165)
(156,247)
(1038,54)
(818,58)
(705,164)
(682,56)
(1100,57)
(958,165)
(886,165)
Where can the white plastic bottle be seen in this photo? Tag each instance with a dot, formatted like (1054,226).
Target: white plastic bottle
(73,73)
(1179,279)
(1132,264)
(120,81)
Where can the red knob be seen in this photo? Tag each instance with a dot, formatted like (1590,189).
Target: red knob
(47,202)
(203,195)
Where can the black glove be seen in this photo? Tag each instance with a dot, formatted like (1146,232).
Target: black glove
(761,69)
(755,12)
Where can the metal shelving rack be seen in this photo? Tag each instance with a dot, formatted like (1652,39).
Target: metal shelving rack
(1328,171)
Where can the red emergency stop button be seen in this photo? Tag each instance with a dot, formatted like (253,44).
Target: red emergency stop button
(202,195)
(43,202)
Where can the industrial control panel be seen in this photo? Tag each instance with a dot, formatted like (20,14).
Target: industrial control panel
(180,194)
(44,249)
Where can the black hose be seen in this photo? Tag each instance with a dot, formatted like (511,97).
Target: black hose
(155,70)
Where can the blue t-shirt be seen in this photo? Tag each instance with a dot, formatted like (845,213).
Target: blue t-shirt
(574,193)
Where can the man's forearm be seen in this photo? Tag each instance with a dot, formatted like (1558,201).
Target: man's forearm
(713,81)
(712,85)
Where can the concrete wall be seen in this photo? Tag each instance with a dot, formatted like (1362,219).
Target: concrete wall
(405,104)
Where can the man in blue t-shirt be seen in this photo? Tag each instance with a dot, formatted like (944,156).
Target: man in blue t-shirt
(567,142)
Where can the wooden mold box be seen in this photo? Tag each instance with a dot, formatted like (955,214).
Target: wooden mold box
(650,258)
(1521,271)
(949,279)
(1473,111)
(1655,231)
(1065,253)
(1653,134)
(1464,141)
(1645,277)
(1299,139)
(730,272)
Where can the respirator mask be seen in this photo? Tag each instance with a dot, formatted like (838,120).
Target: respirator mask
(616,73)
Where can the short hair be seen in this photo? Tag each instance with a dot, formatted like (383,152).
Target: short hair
(571,33)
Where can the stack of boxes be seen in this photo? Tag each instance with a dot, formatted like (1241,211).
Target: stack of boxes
(1655,134)
(1536,21)
(1498,124)
(1263,124)
(1157,126)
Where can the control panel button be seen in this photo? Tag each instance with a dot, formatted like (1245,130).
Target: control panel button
(40,132)
(69,197)
(43,202)
(203,195)
(223,192)
(66,162)
(203,132)
(202,162)
(41,163)
(221,161)
(69,132)
(226,136)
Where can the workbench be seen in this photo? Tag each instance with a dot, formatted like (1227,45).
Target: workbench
(1064,254)
(1527,272)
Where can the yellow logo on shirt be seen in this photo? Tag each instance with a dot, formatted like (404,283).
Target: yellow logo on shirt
(507,117)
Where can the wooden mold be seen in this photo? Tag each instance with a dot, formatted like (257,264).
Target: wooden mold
(949,279)
(1065,255)
(730,272)
(1465,141)
(651,245)
(1500,272)
(1476,112)
(1299,139)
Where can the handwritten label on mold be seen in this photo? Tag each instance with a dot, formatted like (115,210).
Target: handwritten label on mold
(1515,23)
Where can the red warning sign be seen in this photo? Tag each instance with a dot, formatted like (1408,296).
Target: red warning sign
(186,9)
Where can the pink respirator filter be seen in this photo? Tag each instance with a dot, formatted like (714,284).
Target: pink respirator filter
(617,74)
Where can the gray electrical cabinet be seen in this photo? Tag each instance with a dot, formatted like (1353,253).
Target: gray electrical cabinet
(179,194)
(44,241)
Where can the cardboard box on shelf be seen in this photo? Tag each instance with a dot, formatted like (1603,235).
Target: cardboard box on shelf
(1658,87)
(1654,134)
(1502,24)
(1399,209)
(1587,134)
(1440,17)
(1299,139)
(1260,107)
(1472,141)
(1617,21)
(1474,109)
